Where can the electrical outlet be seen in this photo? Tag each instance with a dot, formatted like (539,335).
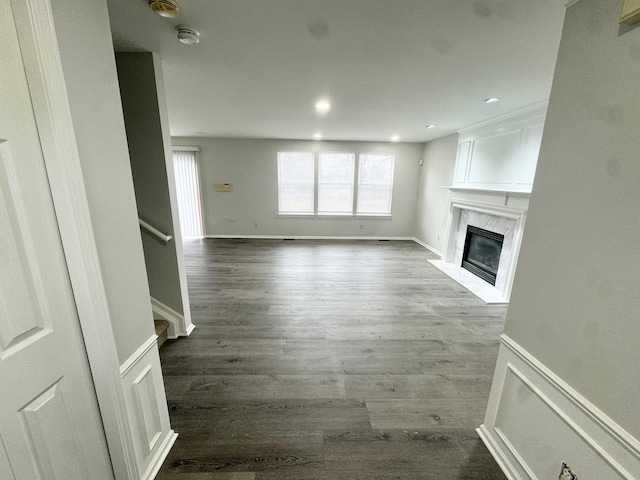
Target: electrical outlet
(255,225)
(438,237)
(361,227)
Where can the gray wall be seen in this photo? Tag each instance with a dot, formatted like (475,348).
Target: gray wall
(140,74)
(575,302)
(433,201)
(86,52)
(250,165)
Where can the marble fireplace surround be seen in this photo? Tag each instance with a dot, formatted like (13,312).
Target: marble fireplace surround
(496,211)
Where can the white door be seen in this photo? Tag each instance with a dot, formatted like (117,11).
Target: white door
(50,426)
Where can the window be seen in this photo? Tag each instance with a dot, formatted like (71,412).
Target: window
(375,184)
(332,190)
(296,183)
(185,168)
(335,183)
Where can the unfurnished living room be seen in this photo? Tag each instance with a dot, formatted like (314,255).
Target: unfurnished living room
(319,239)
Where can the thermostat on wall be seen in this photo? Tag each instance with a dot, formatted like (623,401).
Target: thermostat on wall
(222,187)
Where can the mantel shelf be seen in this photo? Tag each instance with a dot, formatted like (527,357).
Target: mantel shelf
(488,191)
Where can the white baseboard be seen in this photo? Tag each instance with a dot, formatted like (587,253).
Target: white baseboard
(160,456)
(177,327)
(535,421)
(309,237)
(146,405)
(427,246)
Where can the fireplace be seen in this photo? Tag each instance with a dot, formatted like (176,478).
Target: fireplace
(481,254)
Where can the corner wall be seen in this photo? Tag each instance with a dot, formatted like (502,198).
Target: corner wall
(432,211)
(566,382)
(251,166)
(88,63)
(146,121)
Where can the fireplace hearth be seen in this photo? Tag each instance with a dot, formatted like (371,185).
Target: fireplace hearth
(481,255)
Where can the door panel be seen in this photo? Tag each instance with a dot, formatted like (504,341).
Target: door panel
(50,425)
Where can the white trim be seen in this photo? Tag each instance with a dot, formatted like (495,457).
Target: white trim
(184,149)
(427,246)
(594,413)
(309,237)
(160,456)
(571,422)
(496,452)
(177,326)
(138,354)
(146,402)
(533,110)
(39,46)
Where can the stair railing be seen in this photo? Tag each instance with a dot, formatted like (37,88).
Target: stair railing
(154,232)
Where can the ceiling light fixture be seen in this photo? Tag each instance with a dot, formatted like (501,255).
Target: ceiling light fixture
(165,8)
(492,100)
(317,136)
(395,138)
(430,126)
(323,106)
(188,35)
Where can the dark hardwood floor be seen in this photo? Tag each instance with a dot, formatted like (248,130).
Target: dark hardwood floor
(328,360)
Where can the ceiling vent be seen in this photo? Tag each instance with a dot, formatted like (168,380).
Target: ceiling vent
(165,8)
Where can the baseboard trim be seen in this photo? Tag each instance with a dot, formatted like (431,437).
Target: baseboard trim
(530,401)
(176,320)
(309,237)
(495,451)
(428,247)
(160,456)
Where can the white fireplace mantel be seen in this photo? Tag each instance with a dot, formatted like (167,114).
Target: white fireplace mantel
(495,210)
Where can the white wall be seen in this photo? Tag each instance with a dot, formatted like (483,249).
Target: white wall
(250,165)
(433,201)
(142,92)
(566,385)
(88,62)
(139,435)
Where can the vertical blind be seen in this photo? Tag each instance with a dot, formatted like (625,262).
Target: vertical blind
(188,191)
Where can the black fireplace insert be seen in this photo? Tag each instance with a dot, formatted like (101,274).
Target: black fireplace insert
(481,254)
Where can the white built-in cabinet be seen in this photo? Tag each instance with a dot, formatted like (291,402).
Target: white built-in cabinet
(501,154)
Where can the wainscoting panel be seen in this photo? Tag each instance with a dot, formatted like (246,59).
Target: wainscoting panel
(535,421)
(147,408)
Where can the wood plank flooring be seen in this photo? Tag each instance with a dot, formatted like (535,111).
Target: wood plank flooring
(328,360)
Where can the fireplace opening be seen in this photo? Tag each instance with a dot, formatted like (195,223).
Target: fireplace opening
(481,254)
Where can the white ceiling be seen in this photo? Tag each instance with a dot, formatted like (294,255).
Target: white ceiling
(387,66)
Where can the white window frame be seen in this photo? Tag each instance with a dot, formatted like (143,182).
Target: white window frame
(318,185)
(357,166)
(358,185)
(279,170)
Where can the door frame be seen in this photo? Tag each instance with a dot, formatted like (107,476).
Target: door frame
(38,44)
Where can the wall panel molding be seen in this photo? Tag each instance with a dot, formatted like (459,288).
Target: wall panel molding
(535,421)
(146,405)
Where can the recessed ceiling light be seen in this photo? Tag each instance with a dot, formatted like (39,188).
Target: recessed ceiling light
(395,138)
(430,126)
(492,100)
(323,106)
(317,136)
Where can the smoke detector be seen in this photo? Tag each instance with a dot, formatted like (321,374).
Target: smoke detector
(188,35)
(165,8)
